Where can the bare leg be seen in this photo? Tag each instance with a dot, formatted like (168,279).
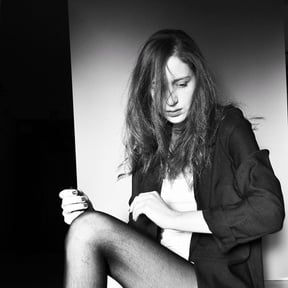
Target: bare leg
(98,245)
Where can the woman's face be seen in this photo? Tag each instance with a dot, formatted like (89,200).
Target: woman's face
(181,85)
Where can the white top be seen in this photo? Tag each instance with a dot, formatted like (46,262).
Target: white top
(179,197)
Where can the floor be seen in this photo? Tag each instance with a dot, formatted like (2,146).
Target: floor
(276,284)
(268,284)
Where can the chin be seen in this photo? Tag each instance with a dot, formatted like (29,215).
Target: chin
(176,120)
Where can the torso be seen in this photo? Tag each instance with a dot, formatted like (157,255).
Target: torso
(180,197)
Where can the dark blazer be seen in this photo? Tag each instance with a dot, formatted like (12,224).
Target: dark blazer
(241,200)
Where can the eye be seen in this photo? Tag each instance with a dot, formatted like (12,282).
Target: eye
(182,84)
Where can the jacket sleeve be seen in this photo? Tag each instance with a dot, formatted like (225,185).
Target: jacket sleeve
(261,209)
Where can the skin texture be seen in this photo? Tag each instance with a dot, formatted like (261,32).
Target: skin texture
(181,86)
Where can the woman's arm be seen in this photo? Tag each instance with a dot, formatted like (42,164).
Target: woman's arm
(153,206)
(261,209)
(191,221)
(260,212)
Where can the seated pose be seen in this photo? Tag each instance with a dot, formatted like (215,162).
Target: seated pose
(203,193)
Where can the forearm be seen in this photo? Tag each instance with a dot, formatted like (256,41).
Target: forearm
(191,221)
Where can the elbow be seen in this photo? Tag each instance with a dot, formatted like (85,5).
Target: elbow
(278,225)
(268,215)
(275,218)
(279,213)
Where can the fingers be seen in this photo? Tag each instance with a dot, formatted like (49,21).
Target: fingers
(73,200)
(69,217)
(136,208)
(74,203)
(75,207)
(139,208)
(70,192)
(143,197)
(142,203)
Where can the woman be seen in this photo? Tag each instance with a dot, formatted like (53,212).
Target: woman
(196,171)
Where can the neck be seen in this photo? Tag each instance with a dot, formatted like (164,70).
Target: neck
(177,130)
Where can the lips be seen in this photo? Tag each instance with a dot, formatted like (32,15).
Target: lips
(174,113)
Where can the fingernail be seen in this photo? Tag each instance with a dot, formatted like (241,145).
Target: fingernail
(74,192)
(85,205)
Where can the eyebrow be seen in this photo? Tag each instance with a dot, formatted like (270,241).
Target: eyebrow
(188,77)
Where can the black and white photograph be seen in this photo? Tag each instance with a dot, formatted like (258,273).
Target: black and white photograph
(144,143)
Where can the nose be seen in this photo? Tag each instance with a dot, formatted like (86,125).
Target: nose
(172,98)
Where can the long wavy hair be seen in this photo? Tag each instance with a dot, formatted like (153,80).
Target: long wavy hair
(148,134)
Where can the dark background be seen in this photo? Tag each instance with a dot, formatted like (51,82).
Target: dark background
(37,152)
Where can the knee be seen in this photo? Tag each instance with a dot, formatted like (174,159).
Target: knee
(88,229)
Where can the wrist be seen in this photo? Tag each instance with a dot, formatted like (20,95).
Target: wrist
(189,221)
(173,219)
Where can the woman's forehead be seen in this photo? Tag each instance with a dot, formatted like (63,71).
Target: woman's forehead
(176,69)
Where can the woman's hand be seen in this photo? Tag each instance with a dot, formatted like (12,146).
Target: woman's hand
(153,206)
(74,203)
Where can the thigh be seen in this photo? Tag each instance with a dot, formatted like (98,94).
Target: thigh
(137,261)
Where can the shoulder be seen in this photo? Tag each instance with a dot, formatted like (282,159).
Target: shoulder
(236,135)
(232,117)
